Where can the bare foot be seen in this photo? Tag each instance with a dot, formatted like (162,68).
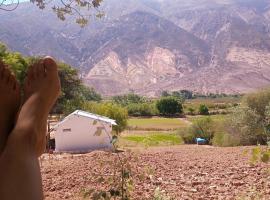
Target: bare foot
(9,103)
(19,166)
(42,87)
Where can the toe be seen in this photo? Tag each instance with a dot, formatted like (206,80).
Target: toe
(41,68)
(6,75)
(35,70)
(30,73)
(50,65)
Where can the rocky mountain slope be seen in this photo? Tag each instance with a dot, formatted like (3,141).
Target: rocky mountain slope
(147,46)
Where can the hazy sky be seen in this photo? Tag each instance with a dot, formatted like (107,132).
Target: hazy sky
(14,1)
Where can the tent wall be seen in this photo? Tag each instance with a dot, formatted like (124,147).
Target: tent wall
(78,134)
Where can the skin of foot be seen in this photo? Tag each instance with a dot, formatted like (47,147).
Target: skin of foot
(9,103)
(41,90)
(19,166)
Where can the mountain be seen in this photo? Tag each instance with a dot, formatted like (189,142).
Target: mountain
(147,46)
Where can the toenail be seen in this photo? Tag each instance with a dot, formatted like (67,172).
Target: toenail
(48,61)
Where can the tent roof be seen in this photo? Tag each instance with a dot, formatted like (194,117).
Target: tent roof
(88,115)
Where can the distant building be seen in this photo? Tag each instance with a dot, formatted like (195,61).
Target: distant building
(82,131)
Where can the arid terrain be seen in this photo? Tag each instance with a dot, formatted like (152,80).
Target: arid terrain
(184,172)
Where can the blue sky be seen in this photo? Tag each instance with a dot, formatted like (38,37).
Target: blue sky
(15,1)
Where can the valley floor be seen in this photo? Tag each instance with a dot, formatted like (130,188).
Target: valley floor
(184,172)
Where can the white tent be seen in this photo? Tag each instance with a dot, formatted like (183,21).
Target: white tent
(82,131)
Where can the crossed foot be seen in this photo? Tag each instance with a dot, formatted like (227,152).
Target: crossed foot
(23,128)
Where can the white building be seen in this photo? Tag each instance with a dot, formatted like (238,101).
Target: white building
(82,131)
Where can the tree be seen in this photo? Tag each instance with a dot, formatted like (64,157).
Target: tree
(83,9)
(186,94)
(17,63)
(165,94)
(73,93)
(252,119)
(89,94)
(142,109)
(127,99)
(169,106)
(203,110)
(110,110)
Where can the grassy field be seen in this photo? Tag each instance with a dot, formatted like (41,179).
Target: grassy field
(156,124)
(216,106)
(215,118)
(151,139)
(225,100)
(161,131)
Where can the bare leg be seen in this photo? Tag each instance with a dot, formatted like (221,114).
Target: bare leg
(19,167)
(9,103)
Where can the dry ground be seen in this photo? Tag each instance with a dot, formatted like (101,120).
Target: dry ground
(184,172)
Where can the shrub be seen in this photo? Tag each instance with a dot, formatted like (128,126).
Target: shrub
(145,109)
(127,99)
(203,110)
(222,139)
(251,121)
(169,106)
(191,111)
(202,128)
(188,138)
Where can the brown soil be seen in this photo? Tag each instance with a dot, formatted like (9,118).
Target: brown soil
(184,172)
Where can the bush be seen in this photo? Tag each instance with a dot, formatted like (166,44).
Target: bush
(201,128)
(169,106)
(189,139)
(203,110)
(225,140)
(251,121)
(125,100)
(145,109)
(191,111)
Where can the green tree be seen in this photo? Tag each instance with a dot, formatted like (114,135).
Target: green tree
(252,119)
(169,106)
(110,110)
(17,63)
(127,99)
(89,94)
(165,94)
(73,93)
(142,109)
(3,50)
(203,110)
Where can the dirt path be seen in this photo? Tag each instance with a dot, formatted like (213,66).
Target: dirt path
(184,172)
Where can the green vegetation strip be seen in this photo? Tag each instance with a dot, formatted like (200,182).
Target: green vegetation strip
(154,139)
(156,123)
(215,118)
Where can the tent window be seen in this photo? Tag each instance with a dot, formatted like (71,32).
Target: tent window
(67,130)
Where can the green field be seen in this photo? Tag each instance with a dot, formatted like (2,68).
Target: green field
(151,139)
(215,105)
(215,118)
(156,124)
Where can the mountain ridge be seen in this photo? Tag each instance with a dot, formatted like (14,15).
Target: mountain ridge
(147,46)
